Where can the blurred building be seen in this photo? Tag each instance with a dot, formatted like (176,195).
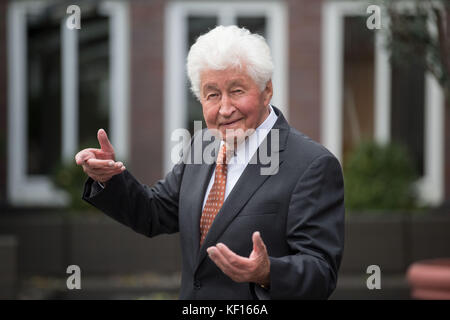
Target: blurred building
(124,71)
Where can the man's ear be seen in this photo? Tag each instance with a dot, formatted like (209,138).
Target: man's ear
(267,92)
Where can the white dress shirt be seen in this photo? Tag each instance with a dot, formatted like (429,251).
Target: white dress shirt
(244,152)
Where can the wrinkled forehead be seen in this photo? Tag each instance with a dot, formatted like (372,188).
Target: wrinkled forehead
(227,77)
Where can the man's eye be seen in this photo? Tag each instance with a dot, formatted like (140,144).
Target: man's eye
(237,91)
(212,96)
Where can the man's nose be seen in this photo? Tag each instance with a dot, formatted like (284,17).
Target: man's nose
(226,106)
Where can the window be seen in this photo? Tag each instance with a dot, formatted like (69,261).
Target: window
(93,71)
(408,106)
(197,25)
(185,21)
(64,84)
(358,115)
(399,102)
(43,78)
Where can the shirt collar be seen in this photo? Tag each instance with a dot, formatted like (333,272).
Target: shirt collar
(270,120)
(245,150)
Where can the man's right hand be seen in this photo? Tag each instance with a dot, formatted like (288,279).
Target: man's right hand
(99,164)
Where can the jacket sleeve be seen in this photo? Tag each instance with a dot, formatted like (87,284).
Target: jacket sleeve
(147,210)
(315,235)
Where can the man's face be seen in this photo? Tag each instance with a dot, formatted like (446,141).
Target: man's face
(231,100)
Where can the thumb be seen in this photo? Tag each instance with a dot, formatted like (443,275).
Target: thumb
(105,145)
(258,245)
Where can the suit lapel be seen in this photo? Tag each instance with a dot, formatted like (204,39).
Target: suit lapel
(248,183)
(202,175)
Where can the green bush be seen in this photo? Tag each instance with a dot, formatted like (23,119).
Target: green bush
(71,178)
(379,177)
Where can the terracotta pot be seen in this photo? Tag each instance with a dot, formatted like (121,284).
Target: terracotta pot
(430,279)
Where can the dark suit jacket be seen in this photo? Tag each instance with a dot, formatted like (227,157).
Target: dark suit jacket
(299,212)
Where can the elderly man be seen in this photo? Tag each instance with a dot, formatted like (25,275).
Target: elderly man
(244,234)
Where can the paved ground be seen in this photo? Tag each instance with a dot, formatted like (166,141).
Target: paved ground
(354,287)
(150,286)
(136,286)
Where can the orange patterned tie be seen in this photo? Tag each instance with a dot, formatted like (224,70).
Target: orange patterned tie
(216,195)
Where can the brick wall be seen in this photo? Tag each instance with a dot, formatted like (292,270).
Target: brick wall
(304,66)
(146,89)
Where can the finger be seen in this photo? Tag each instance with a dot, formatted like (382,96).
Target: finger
(238,274)
(78,159)
(102,171)
(102,177)
(258,244)
(84,155)
(99,164)
(219,260)
(232,258)
(103,140)
(114,165)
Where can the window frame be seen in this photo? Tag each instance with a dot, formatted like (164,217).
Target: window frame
(38,190)
(431,185)
(175,52)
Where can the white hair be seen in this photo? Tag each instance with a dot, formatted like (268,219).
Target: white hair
(230,47)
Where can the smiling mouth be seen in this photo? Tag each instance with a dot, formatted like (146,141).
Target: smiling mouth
(230,123)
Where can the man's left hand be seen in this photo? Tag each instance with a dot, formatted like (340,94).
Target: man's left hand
(255,268)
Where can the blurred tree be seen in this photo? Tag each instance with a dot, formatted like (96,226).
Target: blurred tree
(421,29)
(71,178)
